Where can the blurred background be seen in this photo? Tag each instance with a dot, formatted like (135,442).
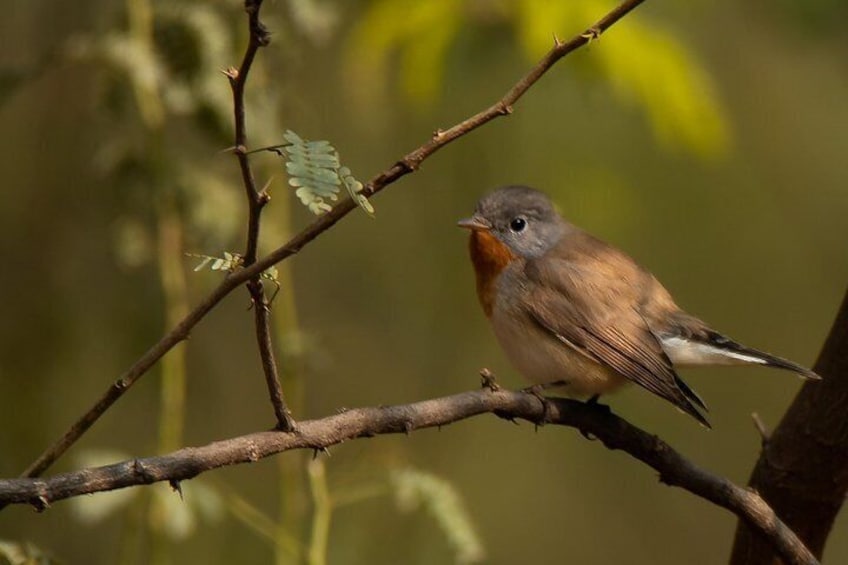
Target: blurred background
(707,139)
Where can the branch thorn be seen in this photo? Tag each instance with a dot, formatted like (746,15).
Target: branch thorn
(177,487)
(591,34)
(762,429)
(231,73)
(40,503)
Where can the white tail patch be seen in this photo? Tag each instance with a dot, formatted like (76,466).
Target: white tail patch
(684,352)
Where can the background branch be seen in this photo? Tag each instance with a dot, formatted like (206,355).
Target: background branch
(615,433)
(409,163)
(801,471)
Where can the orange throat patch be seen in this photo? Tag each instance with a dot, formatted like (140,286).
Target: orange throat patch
(489,257)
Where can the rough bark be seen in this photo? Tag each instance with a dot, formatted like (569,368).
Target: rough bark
(802,471)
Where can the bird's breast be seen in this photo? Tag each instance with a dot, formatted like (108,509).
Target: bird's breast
(541,358)
(489,257)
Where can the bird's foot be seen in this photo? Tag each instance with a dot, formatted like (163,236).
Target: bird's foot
(593,402)
(505,416)
(537,390)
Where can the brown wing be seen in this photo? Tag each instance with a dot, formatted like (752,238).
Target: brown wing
(591,304)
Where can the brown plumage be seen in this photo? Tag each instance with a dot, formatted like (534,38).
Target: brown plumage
(575,292)
(566,306)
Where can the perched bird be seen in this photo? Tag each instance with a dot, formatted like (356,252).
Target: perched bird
(567,307)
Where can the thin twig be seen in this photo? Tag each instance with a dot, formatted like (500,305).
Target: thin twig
(409,163)
(285,422)
(256,199)
(615,433)
(259,37)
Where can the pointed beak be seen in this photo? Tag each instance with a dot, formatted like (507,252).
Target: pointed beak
(475,223)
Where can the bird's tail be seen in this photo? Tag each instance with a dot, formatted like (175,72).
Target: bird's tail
(724,343)
(690,403)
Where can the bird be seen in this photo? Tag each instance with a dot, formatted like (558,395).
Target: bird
(571,310)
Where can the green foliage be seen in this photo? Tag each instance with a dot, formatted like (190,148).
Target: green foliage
(415,489)
(354,187)
(643,62)
(315,171)
(230,262)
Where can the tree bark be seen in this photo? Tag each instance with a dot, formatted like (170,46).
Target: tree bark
(802,471)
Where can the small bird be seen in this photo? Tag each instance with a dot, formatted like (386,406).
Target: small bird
(568,308)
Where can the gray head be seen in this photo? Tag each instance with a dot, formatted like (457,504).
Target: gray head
(522,218)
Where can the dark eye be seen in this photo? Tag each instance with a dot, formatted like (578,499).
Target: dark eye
(518,224)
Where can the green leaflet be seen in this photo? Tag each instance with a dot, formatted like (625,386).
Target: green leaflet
(354,187)
(315,170)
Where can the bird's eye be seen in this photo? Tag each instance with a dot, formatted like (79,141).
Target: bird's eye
(518,224)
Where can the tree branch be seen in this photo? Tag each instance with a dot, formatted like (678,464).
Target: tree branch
(409,163)
(262,321)
(259,37)
(801,470)
(615,433)
(256,200)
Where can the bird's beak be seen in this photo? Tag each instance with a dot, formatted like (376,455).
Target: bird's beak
(475,223)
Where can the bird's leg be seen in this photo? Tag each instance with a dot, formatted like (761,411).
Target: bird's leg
(537,390)
(593,402)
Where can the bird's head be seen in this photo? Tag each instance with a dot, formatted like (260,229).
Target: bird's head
(521,218)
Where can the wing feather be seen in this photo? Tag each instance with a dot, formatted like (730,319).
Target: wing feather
(598,316)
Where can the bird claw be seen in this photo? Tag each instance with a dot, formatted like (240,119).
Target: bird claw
(595,405)
(593,401)
(536,390)
(505,416)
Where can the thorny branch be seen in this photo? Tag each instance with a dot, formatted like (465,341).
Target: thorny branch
(595,420)
(256,200)
(407,164)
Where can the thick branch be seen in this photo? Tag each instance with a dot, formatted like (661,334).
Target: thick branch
(801,471)
(407,164)
(614,432)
